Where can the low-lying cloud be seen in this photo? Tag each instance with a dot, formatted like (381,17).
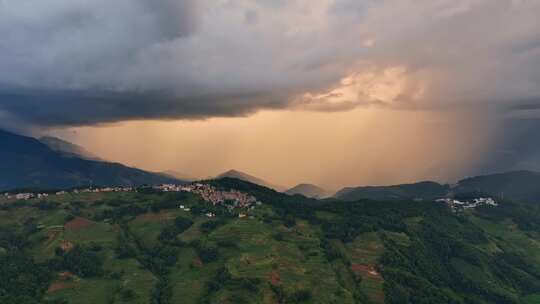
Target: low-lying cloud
(82,62)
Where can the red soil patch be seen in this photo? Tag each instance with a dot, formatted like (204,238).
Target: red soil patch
(368,270)
(67,246)
(371,272)
(56,286)
(52,234)
(116,228)
(275,279)
(62,282)
(197,262)
(150,216)
(66,274)
(79,223)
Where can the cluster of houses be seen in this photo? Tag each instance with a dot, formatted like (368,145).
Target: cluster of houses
(456,205)
(234,198)
(173,188)
(99,190)
(25,196)
(30,195)
(185,208)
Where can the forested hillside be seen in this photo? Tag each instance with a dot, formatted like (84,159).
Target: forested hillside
(421,190)
(523,186)
(140,247)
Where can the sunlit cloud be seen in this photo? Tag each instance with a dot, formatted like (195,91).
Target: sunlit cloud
(385,87)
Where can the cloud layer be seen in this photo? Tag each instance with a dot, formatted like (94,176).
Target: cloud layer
(81,62)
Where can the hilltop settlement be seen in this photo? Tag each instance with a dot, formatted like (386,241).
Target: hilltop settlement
(230,199)
(457,205)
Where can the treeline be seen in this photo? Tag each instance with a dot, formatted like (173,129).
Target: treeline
(22,281)
(84,261)
(359,217)
(526,216)
(238,287)
(443,264)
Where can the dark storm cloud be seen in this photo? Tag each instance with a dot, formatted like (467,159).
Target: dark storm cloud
(79,62)
(61,44)
(76,108)
(515,148)
(525,104)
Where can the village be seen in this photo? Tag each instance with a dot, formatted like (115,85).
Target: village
(32,195)
(232,199)
(213,195)
(457,205)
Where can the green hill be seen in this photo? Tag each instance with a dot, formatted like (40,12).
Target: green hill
(139,247)
(308,190)
(519,185)
(422,190)
(249,178)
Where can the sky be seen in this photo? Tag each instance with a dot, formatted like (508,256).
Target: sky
(333,92)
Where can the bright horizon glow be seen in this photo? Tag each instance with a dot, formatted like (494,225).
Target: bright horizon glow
(358,147)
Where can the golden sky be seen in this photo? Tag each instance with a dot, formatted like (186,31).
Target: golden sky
(332,149)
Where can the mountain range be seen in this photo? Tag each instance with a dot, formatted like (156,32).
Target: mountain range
(68,149)
(179,175)
(309,190)
(51,163)
(26,162)
(425,190)
(523,186)
(249,178)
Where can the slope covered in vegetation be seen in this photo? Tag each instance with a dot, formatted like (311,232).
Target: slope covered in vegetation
(139,247)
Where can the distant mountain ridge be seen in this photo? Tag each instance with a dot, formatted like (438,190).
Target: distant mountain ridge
(523,186)
(423,190)
(26,162)
(179,175)
(68,149)
(249,178)
(308,190)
